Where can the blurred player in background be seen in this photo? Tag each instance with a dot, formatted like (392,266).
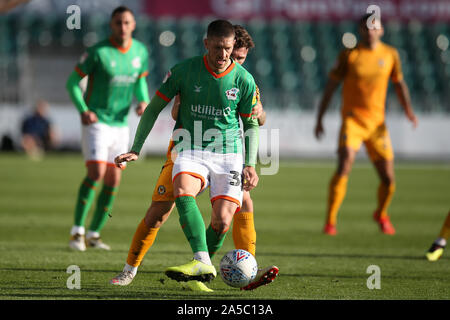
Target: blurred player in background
(116,69)
(38,135)
(365,72)
(163,201)
(437,248)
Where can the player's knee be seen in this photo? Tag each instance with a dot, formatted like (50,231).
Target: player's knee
(345,162)
(95,175)
(389,182)
(221,226)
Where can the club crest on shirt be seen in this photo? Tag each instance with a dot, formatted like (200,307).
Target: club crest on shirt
(136,62)
(381,63)
(197,88)
(232,93)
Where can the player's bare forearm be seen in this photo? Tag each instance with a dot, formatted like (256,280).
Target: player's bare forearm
(329,90)
(401,89)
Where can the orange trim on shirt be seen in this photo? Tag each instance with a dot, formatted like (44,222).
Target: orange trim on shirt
(80,72)
(143,74)
(120,48)
(162,96)
(220,75)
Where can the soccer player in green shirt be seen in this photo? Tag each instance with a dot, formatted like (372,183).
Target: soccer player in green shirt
(163,202)
(116,68)
(214,93)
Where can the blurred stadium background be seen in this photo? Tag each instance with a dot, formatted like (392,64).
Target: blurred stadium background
(297,42)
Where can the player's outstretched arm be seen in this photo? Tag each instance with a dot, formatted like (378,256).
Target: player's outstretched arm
(146,122)
(401,89)
(330,88)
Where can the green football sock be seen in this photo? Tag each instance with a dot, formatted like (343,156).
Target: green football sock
(86,195)
(191,221)
(214,240)
(105,203)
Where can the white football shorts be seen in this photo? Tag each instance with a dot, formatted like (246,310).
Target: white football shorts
(102,143)
(221,172)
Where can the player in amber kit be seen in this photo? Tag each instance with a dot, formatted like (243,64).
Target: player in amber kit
(116,68)
(437,248)
(365,72)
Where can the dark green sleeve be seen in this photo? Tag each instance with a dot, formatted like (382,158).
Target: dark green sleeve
(147,121)
(75,93)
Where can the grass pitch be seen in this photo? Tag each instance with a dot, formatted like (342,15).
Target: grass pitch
(36,213)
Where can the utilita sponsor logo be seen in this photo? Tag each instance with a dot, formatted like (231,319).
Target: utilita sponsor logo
(210,110)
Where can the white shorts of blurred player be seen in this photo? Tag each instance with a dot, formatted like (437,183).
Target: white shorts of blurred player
(222,173)
(102,143)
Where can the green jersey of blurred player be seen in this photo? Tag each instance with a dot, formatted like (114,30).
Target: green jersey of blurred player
(116,68)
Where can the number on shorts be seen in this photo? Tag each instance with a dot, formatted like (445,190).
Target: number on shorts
(236,178)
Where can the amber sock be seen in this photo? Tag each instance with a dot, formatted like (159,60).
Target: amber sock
(337,191)
(244,234)
(142,241)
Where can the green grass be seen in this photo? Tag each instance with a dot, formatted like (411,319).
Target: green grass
(36,214)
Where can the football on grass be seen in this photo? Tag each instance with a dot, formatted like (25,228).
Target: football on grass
(238,268)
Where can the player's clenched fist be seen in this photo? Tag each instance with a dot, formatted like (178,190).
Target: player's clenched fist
(126,157)
(250,178)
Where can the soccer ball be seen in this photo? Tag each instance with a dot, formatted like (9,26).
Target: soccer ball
(238,268)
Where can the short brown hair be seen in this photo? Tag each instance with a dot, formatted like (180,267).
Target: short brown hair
(243,38)
(220,28)
(121,9)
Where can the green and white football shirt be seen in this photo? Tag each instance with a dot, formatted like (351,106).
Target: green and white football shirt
(113,72)
(210,103)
